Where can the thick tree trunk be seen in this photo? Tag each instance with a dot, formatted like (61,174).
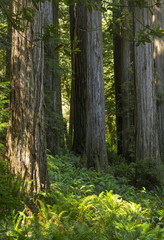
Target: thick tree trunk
(124,82)
(158,20)
(147,144)
(54,119)
(89,103)
(26,150)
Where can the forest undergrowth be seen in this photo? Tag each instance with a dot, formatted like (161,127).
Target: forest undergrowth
(82,204)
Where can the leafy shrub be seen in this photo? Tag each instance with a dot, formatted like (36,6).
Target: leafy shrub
(10,191)
(143,173)
(121,169)
(147,174)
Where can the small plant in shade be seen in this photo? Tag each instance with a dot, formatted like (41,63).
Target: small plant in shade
(147,173)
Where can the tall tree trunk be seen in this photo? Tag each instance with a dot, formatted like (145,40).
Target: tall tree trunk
(147,144)
(89,103)
(73,21)
(117,78)
(124,81)
(26,150)
(8,48)
(158,20)
(54,119)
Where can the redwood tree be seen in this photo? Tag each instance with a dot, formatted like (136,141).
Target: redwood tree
(89,103)
(147,144)
(73,26)
(53,113)
(26,149)
(158,20)
(124,79)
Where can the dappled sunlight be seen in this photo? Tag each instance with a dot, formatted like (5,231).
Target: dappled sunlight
(63,195)
(158,47)
(157,20)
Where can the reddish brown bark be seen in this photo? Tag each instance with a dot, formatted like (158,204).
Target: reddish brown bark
(26,149)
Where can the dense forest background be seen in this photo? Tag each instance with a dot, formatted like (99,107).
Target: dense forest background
(81,119)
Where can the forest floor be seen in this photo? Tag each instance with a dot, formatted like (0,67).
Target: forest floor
(82,204)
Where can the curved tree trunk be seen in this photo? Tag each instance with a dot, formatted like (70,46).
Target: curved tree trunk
(26,150)
(53,113)
(158,20)
(147,144)
(89,103)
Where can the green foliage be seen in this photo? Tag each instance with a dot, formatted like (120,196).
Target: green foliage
(4,78)
(109,86)
(4,100)
(148,173)
(81,203)
(121,169)
(65,58)
(141,173)
(145,35)
(11,191)
(84,204)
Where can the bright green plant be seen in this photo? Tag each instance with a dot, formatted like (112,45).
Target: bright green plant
(83,204)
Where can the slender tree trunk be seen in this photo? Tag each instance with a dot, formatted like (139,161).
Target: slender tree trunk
(147,144)
(124,81)
(26,150)
(158,20)
(54,119)
(89,103)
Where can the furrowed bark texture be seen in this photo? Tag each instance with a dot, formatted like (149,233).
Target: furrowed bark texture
(53,113)
(147,144)
(72,14)
(127,87)
(124,82)
(117,78)
(8,49)
(89,104)
(26,150)
(158,20)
